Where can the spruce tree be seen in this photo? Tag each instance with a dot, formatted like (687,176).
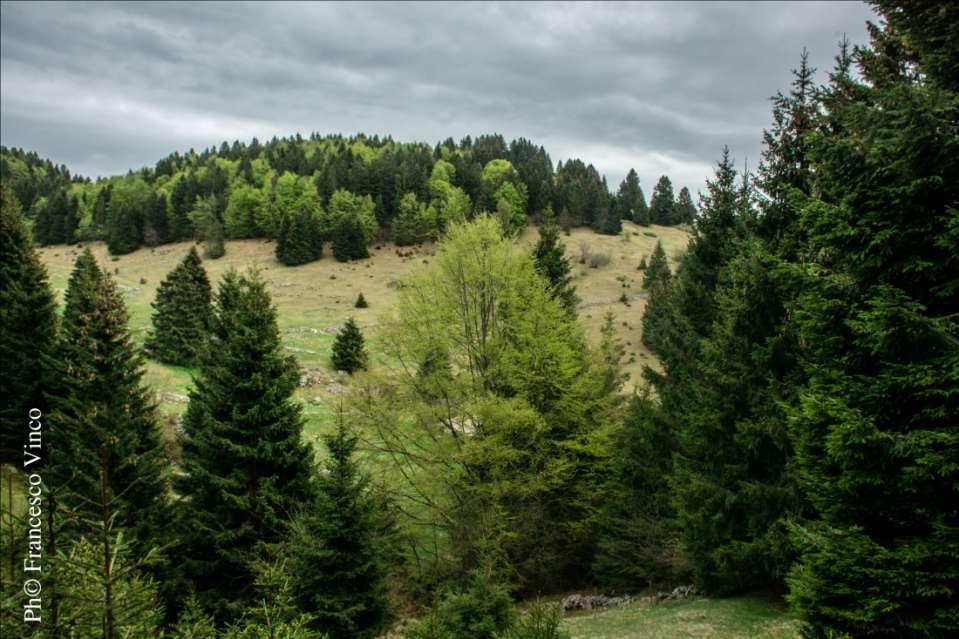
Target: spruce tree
(298,239)
(684,211)
(875,428)
(104,416)
(182,314)
(552,263)
(338,553)
(157,223)
(661,204)
(348,352)
(657,272)
(635,547)
(349,243)
(360,302)
(29,321)
(246,469)
(630,201)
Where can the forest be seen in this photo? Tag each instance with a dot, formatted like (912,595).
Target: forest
(797,434)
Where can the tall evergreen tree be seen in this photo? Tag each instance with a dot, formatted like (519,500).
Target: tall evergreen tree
(785,178)
(636,545)
(552,263)
(348,352)
(630,201)
(28,318)
(657,272)
(661,204)
(684,211)
(246,469)
(182,314)
(157,224)
(338,552)
(102,411)
(875,428)
(298,240)
(349,242)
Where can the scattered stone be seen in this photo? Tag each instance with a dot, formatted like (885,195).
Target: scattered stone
(678,593)
(176,399)
(593,602)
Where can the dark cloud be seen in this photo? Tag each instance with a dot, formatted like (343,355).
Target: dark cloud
(105,87)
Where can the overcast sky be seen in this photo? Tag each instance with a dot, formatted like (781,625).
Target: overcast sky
(660,87)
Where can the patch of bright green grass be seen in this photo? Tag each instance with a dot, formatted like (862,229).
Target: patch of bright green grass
(737,618)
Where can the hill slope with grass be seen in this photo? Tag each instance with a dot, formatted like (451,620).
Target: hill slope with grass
(316,298)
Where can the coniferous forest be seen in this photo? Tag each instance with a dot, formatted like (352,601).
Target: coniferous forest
(795,434)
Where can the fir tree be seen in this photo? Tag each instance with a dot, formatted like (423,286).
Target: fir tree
(875,428)
(182,313)
(349,243)
(360,302)
(630,201)
(684,211)
(661,204)
(28,318)
(552,263)
(104,416)
(338,553)
(71,220)
(635,547)
(298,240)
(157,224)
(657,272)
(348,352)
(247,470)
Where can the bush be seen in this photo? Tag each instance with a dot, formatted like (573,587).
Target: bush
(483,610)
(597,260)
(583,252)
(541,621)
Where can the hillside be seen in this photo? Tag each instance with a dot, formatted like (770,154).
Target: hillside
(315,298)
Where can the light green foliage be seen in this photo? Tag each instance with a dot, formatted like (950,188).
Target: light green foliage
(413,222)
(443,172)
(498,171)
(519,388)
(105,596)
(246,203)
(272,614)
(343,205)
(290,195)
(206,220)
(513,216)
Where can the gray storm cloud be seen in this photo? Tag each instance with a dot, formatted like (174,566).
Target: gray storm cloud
(657,86)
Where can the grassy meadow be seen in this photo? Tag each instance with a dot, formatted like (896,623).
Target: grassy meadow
(315,299)
(736,618)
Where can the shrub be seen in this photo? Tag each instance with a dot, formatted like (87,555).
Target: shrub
(583,252)
(483,610)
(541,621)
(597,260)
